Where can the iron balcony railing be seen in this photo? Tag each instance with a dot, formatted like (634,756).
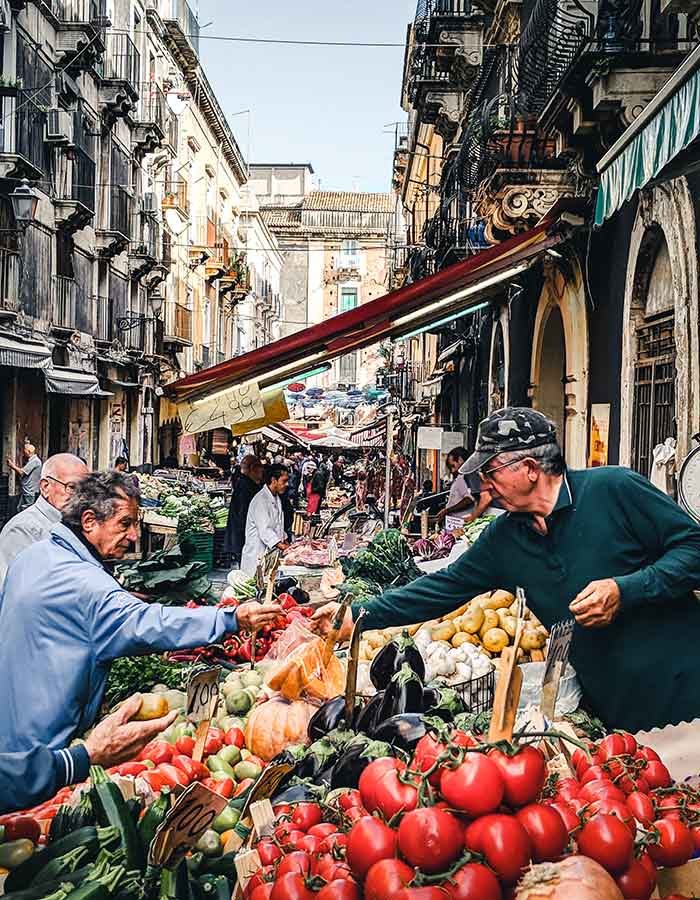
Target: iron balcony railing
(122,60)
(22,128)
(176,195)
(134,338)
(83,188)
(64,305)
(179,11)
(147,239)
(79,11)
(105,325)
(120,210)
(182,322)
(153,107)
(435,12)
(10,269)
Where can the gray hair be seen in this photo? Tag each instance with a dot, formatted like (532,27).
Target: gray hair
(549,458)
(56,462)
(98,493)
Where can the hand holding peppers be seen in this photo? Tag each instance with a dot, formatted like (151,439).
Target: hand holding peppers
(117,739)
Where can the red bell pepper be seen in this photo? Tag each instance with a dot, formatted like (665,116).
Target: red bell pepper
(185,745)
(155,780)
(157,751)
(286,601)
(224,787)
(131,768)
(243,786)
(22,827)
(195,771)
(235,737)
(214,742)
(175,775)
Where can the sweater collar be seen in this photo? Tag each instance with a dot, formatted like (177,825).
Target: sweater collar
(45,508)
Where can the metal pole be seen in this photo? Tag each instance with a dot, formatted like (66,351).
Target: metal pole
(387,470)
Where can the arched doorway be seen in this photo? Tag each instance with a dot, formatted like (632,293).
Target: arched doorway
(497,394)
(551,397)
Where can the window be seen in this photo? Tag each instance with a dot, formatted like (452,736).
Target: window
(348,299)
(349,255)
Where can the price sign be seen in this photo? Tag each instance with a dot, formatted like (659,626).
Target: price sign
(267,784)
(195,810)
(203,695)
(557,658)
(235,406)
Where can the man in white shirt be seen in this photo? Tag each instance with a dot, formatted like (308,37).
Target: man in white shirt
(59,475)
(461,498)
(264,527)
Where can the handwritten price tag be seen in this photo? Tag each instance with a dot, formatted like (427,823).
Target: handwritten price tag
(239,404)
(195,810)
(559,646)
(203,695)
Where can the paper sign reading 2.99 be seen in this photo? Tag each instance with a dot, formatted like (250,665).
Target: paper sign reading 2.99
(203,695)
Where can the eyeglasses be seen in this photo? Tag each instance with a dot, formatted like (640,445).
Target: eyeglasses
(485,474)
(68,485)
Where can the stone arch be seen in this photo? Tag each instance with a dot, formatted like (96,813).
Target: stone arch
(500,354)
(665,213)
(566,295)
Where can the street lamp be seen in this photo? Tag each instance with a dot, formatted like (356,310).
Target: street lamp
(156,302)
(25,200)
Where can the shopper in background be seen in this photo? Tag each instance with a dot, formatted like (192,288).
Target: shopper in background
(59,475)
(170,461)
(246,485)
(265,523)
(121,464)
(29,475)
(315,489)
(64,618)
(460,498)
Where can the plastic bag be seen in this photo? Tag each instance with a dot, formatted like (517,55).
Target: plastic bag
(570,692)
(298,670)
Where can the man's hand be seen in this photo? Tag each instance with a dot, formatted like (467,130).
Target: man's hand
(441,515)
(254,615)
(116,739)
(322,621)
(597,604)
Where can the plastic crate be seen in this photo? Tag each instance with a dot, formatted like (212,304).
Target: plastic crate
(198,546)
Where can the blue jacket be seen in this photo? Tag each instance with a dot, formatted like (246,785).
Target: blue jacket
(32,776)
(63,619)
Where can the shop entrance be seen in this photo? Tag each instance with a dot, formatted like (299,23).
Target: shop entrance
(551,397)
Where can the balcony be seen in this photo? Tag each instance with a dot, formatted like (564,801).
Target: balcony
(181,32)
(178,325)
(119,75)
(135,337)
(70,309)
(435,91)
(105,326)
(454,30)
(10,271)
(176,201)
(23,151)
(153,120)
(79,38)
(145,250)
(114,235)
(74,203)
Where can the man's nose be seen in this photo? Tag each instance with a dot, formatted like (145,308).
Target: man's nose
(132,533)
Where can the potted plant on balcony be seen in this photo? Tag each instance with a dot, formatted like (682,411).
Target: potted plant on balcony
(10,86)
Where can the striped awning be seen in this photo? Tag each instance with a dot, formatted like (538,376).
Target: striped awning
(24,354)
(666,126)
(73,382)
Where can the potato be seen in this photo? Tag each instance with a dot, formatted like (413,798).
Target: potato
(495,640)
(532,639)
(444,632)
(463,638)
(458,612)
(412,629)
(507,622)
(498,600)
(473,619)
(375,639)
(481,599)
(490,621)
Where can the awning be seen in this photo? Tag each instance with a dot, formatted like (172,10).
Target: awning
(451,351)
(397,314)
(24,354)
(73,382)
(665,127)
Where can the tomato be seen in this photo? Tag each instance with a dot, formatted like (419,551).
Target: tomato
(355,813)
(594,773)
(282,809)
(349,800)
(612,745)
(607,841)
(264,875)
(473,882)
(432,892)
(157,751)
(392,796)
(629,784)
(669,804)
(131,768)
(309,844)
(173,774)
(695,834)
(185,745)
(370,776)
(567,789)
(289,842)
(369,842)
(331,869)
(657,775)
(475,787)
(675,843)
(234,737)
(630,743)
(571,821)
(641,807)
(430,839)
(548,834)
(268,851)
(223,787)
(323,829)
(601,789)
(262,892)
(427,751)
(296,862)
(504,843)
(635,882)
(291,886)
(615,808)
(213,743)
(524,774)
(331,841)
(648,754)
(386,878)
(305,815)
(22,827)
(340,889)
(645,860)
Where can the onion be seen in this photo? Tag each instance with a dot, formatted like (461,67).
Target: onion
(574,878)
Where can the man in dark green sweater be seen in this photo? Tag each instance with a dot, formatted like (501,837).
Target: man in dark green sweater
(603,545)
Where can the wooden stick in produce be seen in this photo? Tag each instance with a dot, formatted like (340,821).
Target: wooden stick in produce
(510,682)
(200,739)
(332,637)
(353,663)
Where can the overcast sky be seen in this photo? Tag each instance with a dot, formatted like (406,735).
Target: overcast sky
(325,105)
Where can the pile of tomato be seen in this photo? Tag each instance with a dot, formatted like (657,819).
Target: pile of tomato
(463,820)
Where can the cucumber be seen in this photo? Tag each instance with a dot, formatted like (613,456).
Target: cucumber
(111,809)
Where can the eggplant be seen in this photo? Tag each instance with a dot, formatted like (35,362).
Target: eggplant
(392,657)
(431,697)
(301,596)
(347,770)
(285,584)
(319,756)
(449,704)
(366,718)
(294,793)
(402,732)
(404,694)
(326,718)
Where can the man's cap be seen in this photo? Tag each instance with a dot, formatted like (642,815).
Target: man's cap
(511,428)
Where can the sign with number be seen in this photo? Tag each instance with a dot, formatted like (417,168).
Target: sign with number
(267,784)
(559,645)
(226,409)
(203,695)
(192,814)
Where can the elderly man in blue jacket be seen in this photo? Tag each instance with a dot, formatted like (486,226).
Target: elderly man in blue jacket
(64,619)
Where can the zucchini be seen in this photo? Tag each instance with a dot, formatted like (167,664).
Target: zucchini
(101,888)
(216,887)
(152,818)
(111,809)
(62,865)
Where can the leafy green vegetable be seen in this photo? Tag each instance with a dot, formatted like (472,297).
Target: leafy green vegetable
(139,673)
(169,577)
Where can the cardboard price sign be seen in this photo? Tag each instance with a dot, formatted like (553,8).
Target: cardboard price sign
(194,811)
(203,695)
(557,658)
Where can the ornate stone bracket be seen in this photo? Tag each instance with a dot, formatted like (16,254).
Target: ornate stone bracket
(444,108)
(512,207)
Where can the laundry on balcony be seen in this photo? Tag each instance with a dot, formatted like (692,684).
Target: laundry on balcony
(24,354)
(60,380)
(665,128)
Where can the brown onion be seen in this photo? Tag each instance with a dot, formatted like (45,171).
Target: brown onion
(574,878)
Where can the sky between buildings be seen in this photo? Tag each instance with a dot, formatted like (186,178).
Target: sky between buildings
(325,105)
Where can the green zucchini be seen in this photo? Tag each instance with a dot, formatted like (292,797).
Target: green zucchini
(152,818)
(111,809)
(224,865)
(99,889)
(55,869)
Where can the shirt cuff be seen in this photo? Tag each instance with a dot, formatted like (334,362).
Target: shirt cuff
(230,620)
(634,588)
(72,765)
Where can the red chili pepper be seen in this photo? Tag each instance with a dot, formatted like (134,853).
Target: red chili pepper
(131,768)
(195,771)
(174,774)
(224,787)
(22,827)
(157,751)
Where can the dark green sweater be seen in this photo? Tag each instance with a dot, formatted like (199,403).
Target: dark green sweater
(643,669)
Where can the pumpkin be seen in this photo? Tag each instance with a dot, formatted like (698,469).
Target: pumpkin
(304,675)
(276,724)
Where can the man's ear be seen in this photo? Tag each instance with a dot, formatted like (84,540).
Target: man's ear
(88,520)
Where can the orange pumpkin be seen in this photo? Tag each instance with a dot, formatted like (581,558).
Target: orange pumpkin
(276,724)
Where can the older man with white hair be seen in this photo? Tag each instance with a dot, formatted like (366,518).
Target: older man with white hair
(28,476)
(59,475)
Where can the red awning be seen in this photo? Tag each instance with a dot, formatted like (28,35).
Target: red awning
(395,314)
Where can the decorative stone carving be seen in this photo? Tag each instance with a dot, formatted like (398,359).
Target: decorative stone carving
(624,93)
(516,199)
(443,108)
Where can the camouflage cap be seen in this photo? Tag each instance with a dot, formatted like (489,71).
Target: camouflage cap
(511,428)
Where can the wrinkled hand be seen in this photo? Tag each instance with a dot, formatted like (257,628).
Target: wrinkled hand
(254,615)
(116,739)
(322,621)
(597,604)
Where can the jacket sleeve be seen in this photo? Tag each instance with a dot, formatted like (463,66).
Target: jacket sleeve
(122,625)
(669,537)
(33,776)
(435,595)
